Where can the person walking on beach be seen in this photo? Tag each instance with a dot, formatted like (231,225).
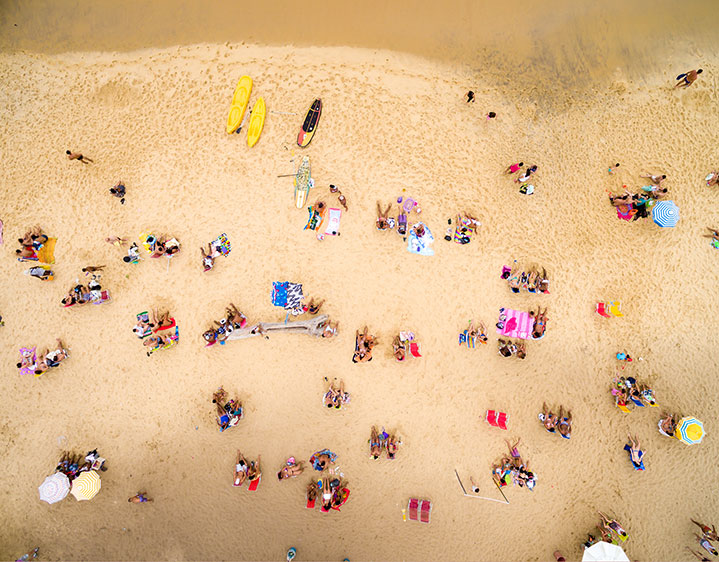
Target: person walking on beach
(688,78)
(470,97)
(78,156)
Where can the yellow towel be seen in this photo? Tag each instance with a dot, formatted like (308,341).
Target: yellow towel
(46,254)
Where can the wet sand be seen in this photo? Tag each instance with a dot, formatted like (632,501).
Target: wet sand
(393,124)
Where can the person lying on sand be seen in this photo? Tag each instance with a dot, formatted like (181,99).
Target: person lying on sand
(548,419)
(521,349)
(506,348)
(712,178)
(335,397)
(707,531)
(291,469)
(140,497)
(156,341)
(526,175)
(398,349)
(313,307)
(116,240)
(241,470)
(383,217)
(688,78)
(706,545)
(77,156)
(55,357)
(540,323)
(329,331)
(161,320)
(613,525)
(636,454)
(208,261)
(564,423)
(698,555)
(655,179)
(714,233)
(391,444)
(375,444)
(234,317)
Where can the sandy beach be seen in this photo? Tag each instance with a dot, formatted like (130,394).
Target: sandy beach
(394,124)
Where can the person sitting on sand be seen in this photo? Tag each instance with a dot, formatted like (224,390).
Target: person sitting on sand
(375,444)
(564,423)
(161,320)
(391,445)
(208,262)
(540,323)
(521,349)
(383,221)
(398,348)
(506,348)
(548,419)
(291,469)
(712,178)
(313,307)
(116,240)
(328,330)
(335,397)
(140,497)
(527,174)
(118,190)
(635,452)
(234,318)
(55,357)
(667,425)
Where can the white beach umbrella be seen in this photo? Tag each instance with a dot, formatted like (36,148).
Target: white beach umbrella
(54,488)
(604,552)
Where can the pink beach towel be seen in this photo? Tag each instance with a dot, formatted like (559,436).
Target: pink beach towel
(517,325)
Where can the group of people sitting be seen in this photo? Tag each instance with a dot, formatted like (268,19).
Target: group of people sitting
(332,490)
(335,397)
(633,206)
(149,328)
(404,343)
(708,534)
(509,348)
(557,423)
(221,330)
(628,393)
(608,530)
(364,343)
(474,334)
(383,441)
(464,229)
(228,412)
(161,245)
(30,363)
(84,294)
(405,207)
(32,241)
(246,470)
(72,464)
(531,281)
(513,469)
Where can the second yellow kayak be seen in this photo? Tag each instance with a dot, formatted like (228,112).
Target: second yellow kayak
(257,121)
(240,99)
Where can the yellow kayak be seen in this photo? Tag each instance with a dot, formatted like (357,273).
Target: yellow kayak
(257,121)
(239,104)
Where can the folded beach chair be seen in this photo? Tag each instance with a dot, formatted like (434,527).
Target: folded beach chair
(602,310)
(497,419)
(414,349)
(614,308)
(333,222)
(254,484)
(419,510)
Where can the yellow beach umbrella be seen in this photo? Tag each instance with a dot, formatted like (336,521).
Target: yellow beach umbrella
(86,486)
(690,431)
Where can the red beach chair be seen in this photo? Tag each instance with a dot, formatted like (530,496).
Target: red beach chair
(412,508)
(425,511)
(419,510)
(414,349)
(602,310)
(497,419)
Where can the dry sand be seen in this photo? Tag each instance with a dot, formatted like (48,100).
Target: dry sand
(393,124)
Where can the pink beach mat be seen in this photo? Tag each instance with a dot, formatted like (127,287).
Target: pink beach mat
(517,325)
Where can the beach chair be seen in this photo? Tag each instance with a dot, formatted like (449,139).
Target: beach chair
(497,419)
(419,510)
(615,309)
(602,310)
(414,349)
(254,484)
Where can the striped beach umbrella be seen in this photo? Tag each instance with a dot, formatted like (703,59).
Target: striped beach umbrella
(86,486)
(690,431)
(55,488)
(666,213)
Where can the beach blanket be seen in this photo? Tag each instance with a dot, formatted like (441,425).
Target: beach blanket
(28,360)
(286,294)
(315,462)
(517,324)
(421,246)
(46,254)
(333,222)
(464,231)
(221,246)
(314,222)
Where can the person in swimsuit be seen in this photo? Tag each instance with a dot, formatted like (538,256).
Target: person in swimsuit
(398,349)
(375,444)
(706,545)
(140,497)
(77,156)
(291,470)
(613,525)
(314,307)
(401,221)
(655,179)
(391,445)
(708,532)
(635,452)
(326,494)
(328,330)
(208,262)
(383,217)
(688,78)
(480,333)
(161,320)
(254,472)
(516,457)
(698,555)
(667,425)
(527,174)
(54,358)
(118,190)
(521,349)
(548,419)
(540,323)
(564,425)
(713,233)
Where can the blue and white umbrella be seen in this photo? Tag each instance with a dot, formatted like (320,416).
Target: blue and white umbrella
(665,213)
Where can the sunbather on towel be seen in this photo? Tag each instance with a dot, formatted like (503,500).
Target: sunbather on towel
(210,336)
(506,348)
(313,307)
(241,469)
(235,318)
(254,471)
(548,419)
(521,349)
(399,349)
(290,470)
(383,222)
(161,320)
(564,423)
(208,261)
(391,444)
(312,490)
(329,331)
(635,452)
(540,323)
(156,341)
